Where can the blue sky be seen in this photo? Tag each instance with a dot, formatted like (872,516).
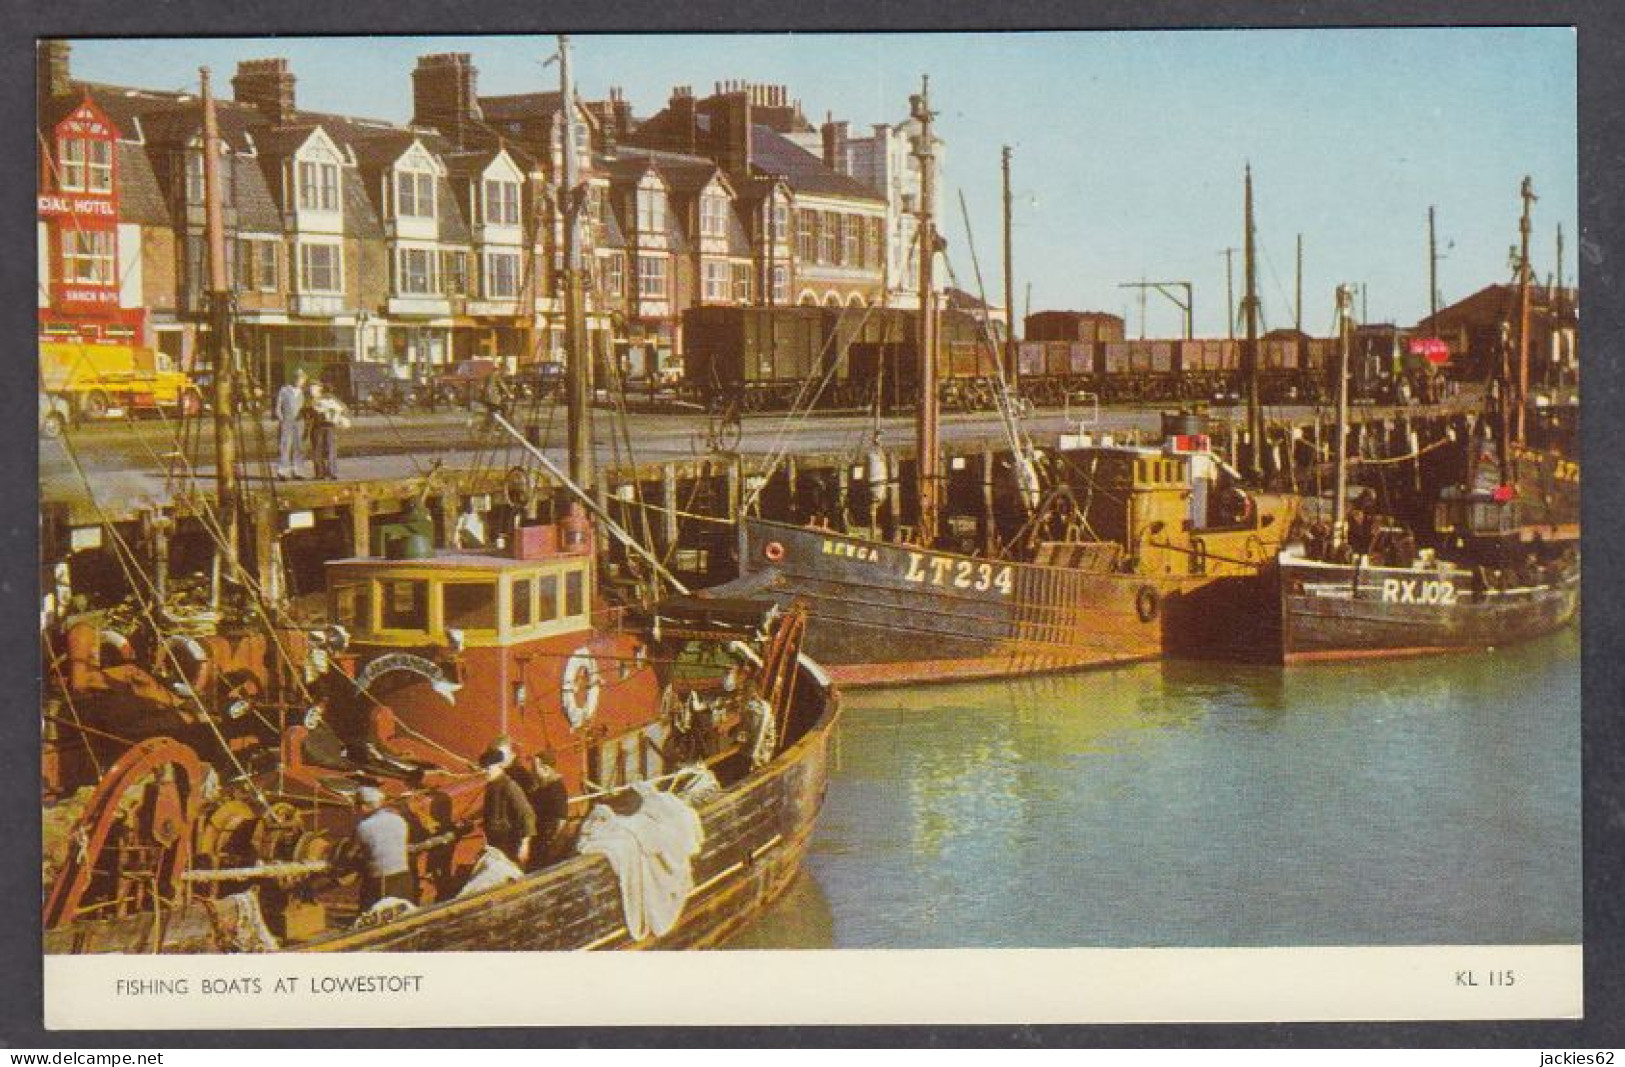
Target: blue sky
(1129,147)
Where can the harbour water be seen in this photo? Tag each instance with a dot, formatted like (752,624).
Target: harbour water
(1427,801)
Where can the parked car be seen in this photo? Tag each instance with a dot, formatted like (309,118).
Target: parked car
(368,387)
(464,382)
(537,381)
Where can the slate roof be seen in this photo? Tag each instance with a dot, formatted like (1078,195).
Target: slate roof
(682,172)
(360,215)
(256,205)
(453,226)
(141,199)
(773,153)
(518,107)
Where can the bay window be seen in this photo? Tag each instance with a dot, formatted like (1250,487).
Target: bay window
(501,275)
(716,281)
(319,269)
(652,277)
(415,273)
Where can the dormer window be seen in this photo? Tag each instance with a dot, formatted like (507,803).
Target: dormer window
(501,203)
(87,166)
(713,216)
(319,186)
(414,195)
(652,210)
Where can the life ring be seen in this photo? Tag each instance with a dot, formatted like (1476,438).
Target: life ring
(579,687)
(1146,603)
(519,488)
(773,551)
(186,657)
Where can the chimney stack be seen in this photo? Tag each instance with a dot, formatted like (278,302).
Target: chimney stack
(731,130)
(834,137)
(266,85)
(685,135)
(55,74)
(444,96)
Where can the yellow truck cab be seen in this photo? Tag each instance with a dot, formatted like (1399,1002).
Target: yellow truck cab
(97,380)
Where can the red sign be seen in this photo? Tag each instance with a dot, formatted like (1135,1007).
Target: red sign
(1431,349)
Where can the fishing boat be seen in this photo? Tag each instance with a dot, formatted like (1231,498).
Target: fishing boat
(1126,554)
(1502,564)
(206,784)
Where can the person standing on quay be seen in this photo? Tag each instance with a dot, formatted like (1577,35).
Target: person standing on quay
(326,415)
(290,405)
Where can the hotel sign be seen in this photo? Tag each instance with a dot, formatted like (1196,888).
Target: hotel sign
(56,204)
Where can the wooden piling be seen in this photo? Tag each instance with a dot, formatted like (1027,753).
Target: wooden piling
(265,522)
(360,524)
(668,500)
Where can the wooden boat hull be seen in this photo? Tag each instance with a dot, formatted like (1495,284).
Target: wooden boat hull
(1327,616)
(883,614)
(756,834)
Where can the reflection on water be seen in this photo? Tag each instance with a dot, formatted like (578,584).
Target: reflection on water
(1415,802)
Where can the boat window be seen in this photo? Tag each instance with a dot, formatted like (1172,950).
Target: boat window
(574,595)
(405,604)
(469,605)
(352,606)
(522,609)
(547,597)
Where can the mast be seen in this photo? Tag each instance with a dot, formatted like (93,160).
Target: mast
(1521,397)
(1345,305)
(1011,371)
(577,360)
(1297,305)
(1229,255)
(926,442)
(1249,350)
(224,365)
(1433,277)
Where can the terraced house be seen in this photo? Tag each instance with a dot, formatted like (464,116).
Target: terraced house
(420,244)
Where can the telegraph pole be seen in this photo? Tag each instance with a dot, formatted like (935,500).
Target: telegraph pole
(577,360)
(1527,191)
(1297,312)
(926,444)
(1433,277)
(1249,350)
(1559,301)
(1010,369)
(1229,255)
(1345,304)
(225,425)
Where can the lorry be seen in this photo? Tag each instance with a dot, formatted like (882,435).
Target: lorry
(94,381)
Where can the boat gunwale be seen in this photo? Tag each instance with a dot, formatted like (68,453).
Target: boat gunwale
(578,865)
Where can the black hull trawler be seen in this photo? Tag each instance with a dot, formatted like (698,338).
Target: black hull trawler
(887,614)
(1153,557)
(1332,612)
(1503,563)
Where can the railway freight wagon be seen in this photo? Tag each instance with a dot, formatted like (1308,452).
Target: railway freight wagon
(762,359)
(1068,353)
